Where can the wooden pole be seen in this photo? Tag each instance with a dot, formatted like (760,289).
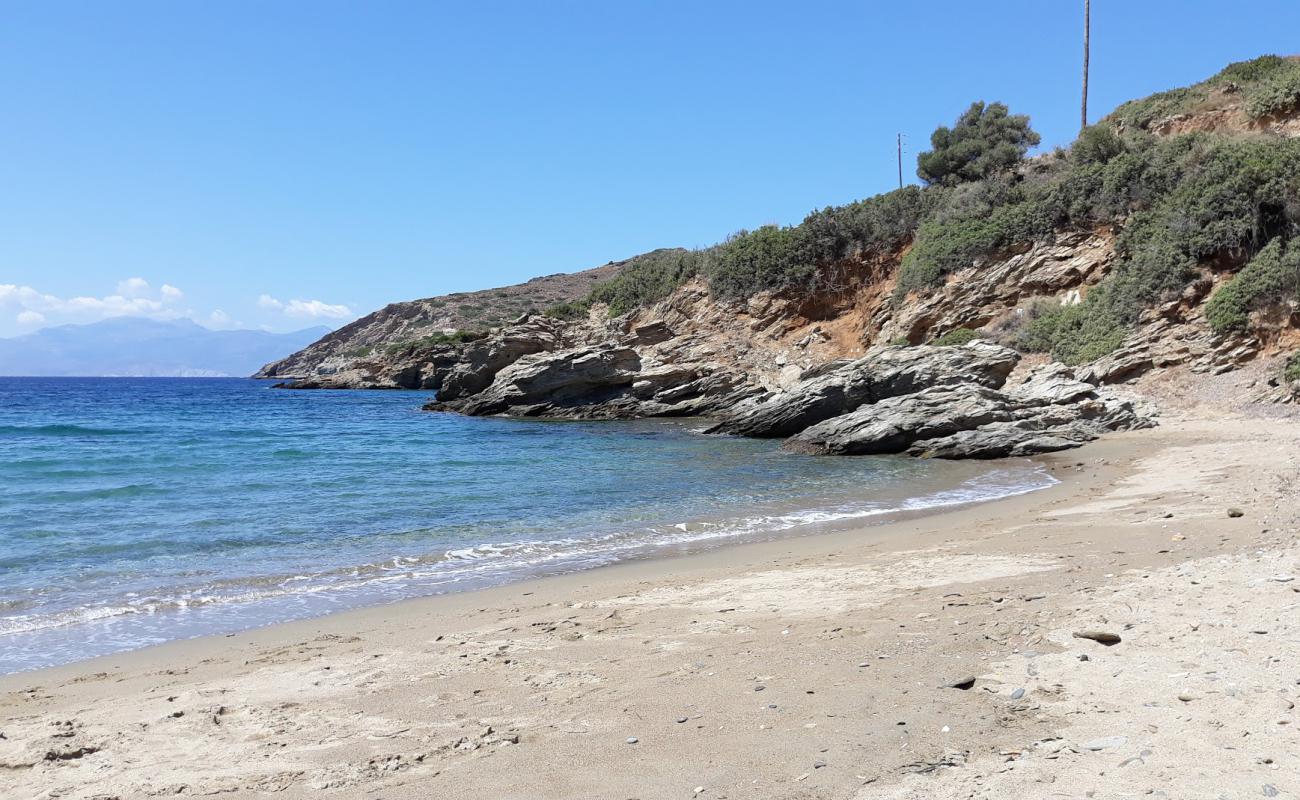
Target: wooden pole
(900,161)
(1087,25)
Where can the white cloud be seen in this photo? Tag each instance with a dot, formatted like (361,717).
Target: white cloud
(309,309)
(134,298)
(219,319)
(133,287)
(315,309)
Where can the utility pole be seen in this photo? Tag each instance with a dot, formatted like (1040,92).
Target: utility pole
(900,161)
(1087,24)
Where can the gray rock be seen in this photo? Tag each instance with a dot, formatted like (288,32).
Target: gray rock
(885,373)
(1050,411)
(1017,694)
(537,382)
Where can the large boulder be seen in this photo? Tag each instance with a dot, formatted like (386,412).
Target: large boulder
(534,383)
(1051,410)
(894,424)
(882,374)
(479,361)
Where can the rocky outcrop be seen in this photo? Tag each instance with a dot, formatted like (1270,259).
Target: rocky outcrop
(836,389)
(602,382)
(371,351)
(1050,411)
(974,296)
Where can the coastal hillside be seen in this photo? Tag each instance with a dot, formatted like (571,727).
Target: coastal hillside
(435,319)
(1163,237)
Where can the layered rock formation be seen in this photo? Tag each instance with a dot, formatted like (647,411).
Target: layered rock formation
(1049,411)
(945,402)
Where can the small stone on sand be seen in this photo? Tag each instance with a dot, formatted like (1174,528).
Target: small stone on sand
(1100,637)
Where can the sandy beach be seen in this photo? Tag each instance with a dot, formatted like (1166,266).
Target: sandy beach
(832,666)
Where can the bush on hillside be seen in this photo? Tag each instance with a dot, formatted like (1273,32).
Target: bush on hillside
(1074,334)
(571,309)
(1291,372)
(1097,144)
(956,337)
(1269,85)
(1278,95)
(985,140)
(434,340)
(1272,275)
(644,280)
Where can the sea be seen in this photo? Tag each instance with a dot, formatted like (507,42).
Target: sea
(139,511)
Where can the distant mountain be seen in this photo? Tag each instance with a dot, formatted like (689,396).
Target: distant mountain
(134,347)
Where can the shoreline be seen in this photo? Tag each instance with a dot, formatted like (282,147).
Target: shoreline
(810,666)
(937,501)
(658,564)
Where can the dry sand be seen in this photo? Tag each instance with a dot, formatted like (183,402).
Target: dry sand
(805,668)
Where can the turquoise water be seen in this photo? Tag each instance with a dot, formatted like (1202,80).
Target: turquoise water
(136,511)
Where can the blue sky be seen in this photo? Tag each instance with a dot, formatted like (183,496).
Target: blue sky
(283,164)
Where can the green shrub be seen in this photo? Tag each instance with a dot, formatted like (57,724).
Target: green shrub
(434,340)
(1251,71)
(574,309)
(768,258)
(644,280)
(1097,144)
(1278,95)
(1074,334)
(1291,372)
(1272,275)
(955,337)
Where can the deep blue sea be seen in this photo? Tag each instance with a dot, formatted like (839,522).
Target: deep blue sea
(136,511)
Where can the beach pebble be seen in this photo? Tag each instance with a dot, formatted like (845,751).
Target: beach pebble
(1100,637)
(1270,790)
(632,740)
(1105,743)
(759,688)
(818,764)
(680,720)
(962,683)
(1234,513)
(1017,694)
